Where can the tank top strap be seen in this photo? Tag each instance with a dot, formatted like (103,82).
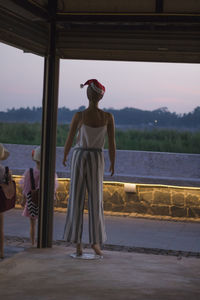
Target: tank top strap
(105,118)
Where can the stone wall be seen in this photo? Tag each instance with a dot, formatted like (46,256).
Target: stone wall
(148,200)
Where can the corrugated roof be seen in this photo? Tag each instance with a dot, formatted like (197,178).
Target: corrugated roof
(139,30)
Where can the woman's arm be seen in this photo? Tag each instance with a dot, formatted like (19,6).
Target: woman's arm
(72,131)
(111,142)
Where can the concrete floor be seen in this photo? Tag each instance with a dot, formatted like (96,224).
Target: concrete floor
(50,274)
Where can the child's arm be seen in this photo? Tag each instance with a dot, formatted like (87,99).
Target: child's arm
(55,186)
(23,202)
(25,186)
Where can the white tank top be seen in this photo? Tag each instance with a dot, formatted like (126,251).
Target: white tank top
(91,137)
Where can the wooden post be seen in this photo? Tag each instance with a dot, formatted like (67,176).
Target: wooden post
(1,236)
(49,129)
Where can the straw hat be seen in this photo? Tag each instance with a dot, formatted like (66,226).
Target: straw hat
(36,154)
(3,152)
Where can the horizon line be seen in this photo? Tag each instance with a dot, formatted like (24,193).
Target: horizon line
(164,108)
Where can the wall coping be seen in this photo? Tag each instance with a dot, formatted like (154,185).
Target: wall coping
(131,166)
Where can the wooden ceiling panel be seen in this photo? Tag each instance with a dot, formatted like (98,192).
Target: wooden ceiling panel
(181,6)
(90,30)
(162,45)
(23,33)
(129,55)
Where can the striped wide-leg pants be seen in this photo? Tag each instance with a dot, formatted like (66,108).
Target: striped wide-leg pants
(87,169)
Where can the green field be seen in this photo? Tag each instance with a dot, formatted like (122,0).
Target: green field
(147,140)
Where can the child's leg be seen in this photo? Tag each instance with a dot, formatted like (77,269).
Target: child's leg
(1,236)
(32,230)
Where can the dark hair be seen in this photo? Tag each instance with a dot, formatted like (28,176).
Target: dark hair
(93,95)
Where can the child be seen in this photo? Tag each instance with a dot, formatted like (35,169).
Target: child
(3,155)
(26,187)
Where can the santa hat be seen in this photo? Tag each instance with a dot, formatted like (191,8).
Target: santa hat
(95,85)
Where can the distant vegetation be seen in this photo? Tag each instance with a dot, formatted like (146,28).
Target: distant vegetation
(161,140)
(142,130)
(127,117)
(148,140)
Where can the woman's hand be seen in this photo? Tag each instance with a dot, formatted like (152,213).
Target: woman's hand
(111,142)
(65,161)
(112,169)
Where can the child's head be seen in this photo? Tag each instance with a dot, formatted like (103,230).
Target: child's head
(3,152)
(36,155)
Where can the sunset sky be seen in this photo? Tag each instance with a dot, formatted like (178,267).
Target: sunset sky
(141,85)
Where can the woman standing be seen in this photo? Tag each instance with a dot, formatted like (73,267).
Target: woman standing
(87,168)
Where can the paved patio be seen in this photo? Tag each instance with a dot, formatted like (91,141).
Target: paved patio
(50,274)
(31,273)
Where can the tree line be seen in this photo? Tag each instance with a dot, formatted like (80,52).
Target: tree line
(127,117)
(161,140)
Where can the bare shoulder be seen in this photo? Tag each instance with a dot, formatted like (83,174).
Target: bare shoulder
(105,115)
(77,117)
(109,117)
(78,114)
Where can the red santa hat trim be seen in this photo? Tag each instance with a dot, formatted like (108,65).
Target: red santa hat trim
(95,85)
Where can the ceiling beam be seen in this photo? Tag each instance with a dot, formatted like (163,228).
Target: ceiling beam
(126,18)
(129,55)
(25,8)
(159,6)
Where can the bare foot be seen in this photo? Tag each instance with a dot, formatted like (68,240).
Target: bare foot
(97,249)
(79,250)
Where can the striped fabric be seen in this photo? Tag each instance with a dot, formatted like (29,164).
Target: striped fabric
(87,169)
(33,209)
